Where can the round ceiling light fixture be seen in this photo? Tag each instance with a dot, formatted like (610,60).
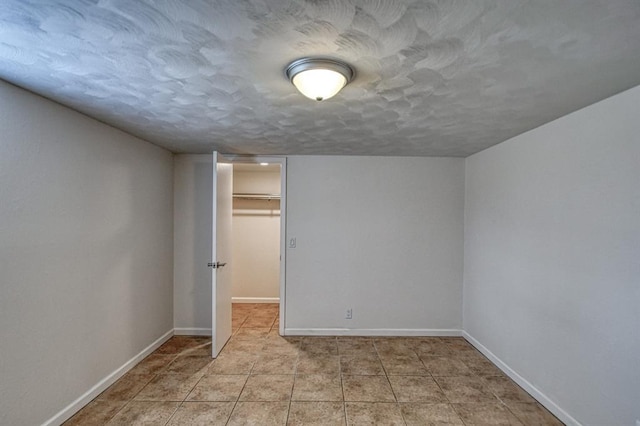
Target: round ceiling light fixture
(319,78)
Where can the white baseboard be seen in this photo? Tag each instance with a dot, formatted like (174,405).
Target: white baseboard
(103,384)
(192,331)
(371,332)
(524,383)
(255,300)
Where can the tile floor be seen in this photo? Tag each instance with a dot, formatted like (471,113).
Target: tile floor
(261,378)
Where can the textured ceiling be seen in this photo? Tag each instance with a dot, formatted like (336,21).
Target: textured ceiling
(436,78)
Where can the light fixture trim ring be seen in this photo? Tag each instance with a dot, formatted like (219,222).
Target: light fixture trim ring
(305,64)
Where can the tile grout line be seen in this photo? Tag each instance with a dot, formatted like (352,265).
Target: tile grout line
(293,385)
(344,398)
(182,402)
(174,413)
(386,375)
(235,403)
(445,395)
(399,405)
(116,413)
(129,400)
(245,383)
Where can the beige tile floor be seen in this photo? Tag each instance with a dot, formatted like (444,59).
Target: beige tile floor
(261,378)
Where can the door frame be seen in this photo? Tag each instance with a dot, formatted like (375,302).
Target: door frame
(245,159)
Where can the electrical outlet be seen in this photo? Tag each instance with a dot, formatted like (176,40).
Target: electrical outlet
(349,314)
(292,242)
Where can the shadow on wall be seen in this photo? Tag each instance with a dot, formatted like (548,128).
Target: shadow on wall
(257,208)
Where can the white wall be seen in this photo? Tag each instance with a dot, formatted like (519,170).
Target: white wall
(256,236)
(383,236)
(85,253)
(192,243)
(552,259)
(252,178)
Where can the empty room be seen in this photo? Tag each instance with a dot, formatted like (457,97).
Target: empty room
(296,212)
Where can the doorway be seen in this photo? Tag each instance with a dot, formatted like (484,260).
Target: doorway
(258,233)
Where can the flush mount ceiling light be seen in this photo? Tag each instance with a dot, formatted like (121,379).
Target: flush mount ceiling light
(319,78)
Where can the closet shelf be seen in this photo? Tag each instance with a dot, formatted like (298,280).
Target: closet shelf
(250,196)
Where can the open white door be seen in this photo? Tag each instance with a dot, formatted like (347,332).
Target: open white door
(221,253)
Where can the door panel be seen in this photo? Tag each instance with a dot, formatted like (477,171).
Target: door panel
(221,252)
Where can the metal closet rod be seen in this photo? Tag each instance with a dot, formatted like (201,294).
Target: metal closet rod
(253,196)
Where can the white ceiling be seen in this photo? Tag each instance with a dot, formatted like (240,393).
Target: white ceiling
(434,78)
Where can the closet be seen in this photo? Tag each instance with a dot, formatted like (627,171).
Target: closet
(256,233)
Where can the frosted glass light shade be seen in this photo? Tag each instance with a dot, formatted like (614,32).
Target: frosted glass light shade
(319,79)
(319,84)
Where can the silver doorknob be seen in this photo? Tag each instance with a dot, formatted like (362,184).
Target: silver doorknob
(216,265)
